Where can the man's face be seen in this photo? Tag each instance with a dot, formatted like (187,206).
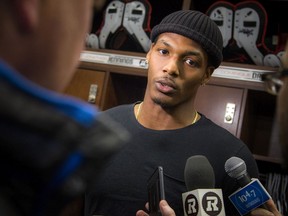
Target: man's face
(177,67)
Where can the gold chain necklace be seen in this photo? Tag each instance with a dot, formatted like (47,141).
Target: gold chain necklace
(138,110)
(140,105)
(195,118)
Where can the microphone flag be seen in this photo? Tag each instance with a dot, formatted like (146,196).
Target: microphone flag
(249,197)
(203,202)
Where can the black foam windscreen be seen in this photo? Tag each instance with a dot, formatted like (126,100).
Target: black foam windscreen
(199,173)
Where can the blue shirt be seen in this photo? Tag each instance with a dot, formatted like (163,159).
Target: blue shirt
(78,110)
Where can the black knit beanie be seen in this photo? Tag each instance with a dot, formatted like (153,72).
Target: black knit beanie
(196,26)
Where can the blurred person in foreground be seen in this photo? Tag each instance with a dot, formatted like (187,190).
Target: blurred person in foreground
(50,144)
(276,83)
(282,108)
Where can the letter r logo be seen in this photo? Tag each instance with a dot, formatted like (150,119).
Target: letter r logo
(191,205)
(212,203)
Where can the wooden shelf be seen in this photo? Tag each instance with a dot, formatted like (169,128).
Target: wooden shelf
(268,159)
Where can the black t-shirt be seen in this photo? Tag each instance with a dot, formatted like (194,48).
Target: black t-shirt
(121,190)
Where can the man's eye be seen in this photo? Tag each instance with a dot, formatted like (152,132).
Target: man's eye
(163,51)
(190,62)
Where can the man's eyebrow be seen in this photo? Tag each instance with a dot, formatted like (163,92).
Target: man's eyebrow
(193,53)
(164,43)
(186,53)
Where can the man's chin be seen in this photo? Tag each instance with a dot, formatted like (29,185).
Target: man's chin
(161,102)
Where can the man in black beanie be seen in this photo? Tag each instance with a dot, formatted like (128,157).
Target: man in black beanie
(166,128)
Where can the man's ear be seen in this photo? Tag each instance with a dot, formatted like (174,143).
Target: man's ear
(207,75)
(26,13)
(149,52)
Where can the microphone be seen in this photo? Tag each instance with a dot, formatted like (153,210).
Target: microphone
(201,199)
(251,194)
(236,168)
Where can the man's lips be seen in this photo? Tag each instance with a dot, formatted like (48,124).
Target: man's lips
(165,85)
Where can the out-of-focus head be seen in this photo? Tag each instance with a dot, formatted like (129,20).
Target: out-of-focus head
(196,26)
(285,57)
(42,39)
(282,110)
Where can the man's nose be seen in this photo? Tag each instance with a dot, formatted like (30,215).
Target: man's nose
(172,67)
